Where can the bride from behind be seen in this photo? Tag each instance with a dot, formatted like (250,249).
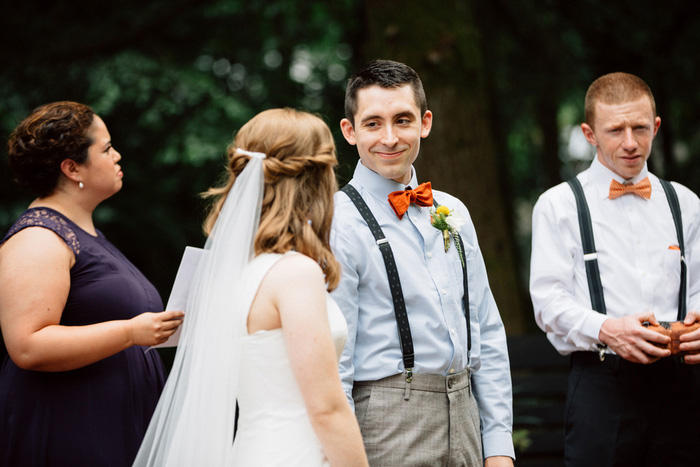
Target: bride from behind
(261,327)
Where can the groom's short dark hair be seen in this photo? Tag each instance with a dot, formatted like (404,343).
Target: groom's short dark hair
(387,74)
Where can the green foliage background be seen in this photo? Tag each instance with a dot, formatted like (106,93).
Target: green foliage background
(173,80)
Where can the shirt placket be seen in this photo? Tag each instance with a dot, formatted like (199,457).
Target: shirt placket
(438,262)
(640,249)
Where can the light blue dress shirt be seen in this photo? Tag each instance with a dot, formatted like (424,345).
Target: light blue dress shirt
(432,283)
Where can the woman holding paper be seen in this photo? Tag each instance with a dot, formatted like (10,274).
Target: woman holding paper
(76,385)
(261,327)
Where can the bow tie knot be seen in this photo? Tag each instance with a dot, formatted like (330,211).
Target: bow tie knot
(642,189)
(401,200)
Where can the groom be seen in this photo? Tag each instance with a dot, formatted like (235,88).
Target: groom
(428,376)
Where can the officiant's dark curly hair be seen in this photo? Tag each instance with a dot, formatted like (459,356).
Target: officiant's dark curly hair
(297,207)
(49,135)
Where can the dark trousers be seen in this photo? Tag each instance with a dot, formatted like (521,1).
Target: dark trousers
(620,413)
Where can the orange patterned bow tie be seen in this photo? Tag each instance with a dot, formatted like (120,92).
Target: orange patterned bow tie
(401,200)
(643,189)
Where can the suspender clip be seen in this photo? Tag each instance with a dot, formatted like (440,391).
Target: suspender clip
(409,380)
(590,256)
(382,241)
(601,352)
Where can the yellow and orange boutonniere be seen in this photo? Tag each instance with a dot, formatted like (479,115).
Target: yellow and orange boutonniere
(449,222)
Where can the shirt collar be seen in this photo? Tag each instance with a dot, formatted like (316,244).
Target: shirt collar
(601,176)
(378,185)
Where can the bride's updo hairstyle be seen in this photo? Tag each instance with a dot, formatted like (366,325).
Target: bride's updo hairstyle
(297,207)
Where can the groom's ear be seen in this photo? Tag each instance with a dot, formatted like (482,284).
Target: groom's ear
(348,131)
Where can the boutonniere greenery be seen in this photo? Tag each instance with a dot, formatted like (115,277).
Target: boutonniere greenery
(449,222)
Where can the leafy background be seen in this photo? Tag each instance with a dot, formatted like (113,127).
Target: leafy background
(505,79)
(173,80)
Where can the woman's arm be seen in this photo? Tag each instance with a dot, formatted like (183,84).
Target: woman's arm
(34,284)
(296,287)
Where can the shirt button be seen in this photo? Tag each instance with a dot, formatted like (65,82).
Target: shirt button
(452,371)
(430,255)
(444,292)
(452,331)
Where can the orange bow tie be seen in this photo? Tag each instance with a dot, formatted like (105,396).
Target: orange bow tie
(643,189)
(401,200)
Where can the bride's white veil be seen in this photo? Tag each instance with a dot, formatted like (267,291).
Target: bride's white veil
(193,421)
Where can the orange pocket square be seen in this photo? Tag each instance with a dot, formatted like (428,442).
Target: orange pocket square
(674,247)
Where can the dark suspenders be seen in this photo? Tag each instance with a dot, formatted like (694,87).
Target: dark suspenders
(463,257)
(590,255)
(678,221)
(402,323)
(393,273)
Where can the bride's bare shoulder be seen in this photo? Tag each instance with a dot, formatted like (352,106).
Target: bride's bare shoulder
(295,268)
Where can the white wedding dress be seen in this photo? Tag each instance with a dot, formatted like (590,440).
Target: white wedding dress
(273,426)
(217,363)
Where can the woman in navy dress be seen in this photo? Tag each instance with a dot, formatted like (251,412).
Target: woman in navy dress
(77,387)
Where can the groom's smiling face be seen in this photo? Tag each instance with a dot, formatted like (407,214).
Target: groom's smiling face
(388,129)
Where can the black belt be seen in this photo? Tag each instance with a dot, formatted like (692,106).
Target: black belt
(616,363)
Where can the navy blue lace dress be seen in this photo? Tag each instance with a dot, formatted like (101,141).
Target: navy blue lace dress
(98,414)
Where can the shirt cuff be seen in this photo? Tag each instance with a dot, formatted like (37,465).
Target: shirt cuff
(591,328)
(498,444)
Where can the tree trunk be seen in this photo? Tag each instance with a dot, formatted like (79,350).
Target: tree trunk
(441,43)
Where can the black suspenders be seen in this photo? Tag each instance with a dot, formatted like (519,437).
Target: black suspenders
(395,283)
(678,221)
(590,255)
(393,273)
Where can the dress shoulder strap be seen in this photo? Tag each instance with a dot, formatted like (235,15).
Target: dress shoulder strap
(48,219)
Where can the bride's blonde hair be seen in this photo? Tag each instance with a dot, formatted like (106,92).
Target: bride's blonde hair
(297,207)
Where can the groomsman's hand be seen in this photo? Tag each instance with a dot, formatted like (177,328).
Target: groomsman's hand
(629,339)
(691,341)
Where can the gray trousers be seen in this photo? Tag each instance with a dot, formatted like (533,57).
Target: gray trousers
(438,426)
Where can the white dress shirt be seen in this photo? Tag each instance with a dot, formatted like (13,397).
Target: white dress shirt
(638,257)
(432,283)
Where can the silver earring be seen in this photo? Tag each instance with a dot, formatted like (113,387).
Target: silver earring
(80,185)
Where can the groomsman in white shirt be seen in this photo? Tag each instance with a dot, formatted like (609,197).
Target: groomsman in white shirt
(425,364)
(607,266)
